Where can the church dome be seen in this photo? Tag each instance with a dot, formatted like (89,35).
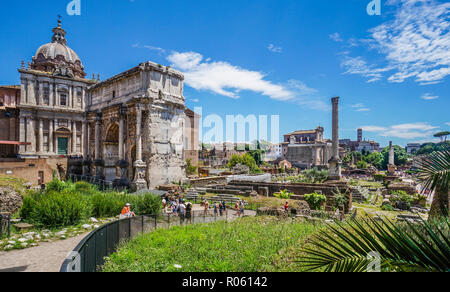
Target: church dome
(57,57)
(53,50)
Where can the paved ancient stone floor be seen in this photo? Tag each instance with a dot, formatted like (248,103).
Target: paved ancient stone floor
(47,257)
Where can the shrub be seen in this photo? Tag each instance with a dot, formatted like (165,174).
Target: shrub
(85,188)
(401,200)
(58,209)
(148,204)
(108,204)
(361,164)
(315,200)
(190,169)
(28,205)
(285,195)
(315,175)
(379,177)
(245,159)
(387,207)
(58,186)
(340,199)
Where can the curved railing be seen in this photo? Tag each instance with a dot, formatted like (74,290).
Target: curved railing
(90,253)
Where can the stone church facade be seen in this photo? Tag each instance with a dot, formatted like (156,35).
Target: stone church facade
(128,129)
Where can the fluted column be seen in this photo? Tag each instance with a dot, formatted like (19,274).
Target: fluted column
(41,93)
(139,133)
(50,137)
(74,138)
(140,166)
(31,96)
(41,136)
(51,96)
(22,132)
(335,171)
(56,138)
(97,138)
(31,135)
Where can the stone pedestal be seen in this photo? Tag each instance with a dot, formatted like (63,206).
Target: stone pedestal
(139,182)
(335,169)
(391,170)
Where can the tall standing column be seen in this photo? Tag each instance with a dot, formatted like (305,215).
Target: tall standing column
(69,101)
(391,165)
(22,132)
(50,137)
(335,171)
(140,166)
(121,137)
(41,93)
(97,139)
(41,136)
(56,138)
(74,137)
(31,135)
(51,96)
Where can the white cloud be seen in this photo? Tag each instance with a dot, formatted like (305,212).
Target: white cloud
(429,96)
(415,44)
(152,48)
(228,80)
(359,107)
(404,131)
(274,49)
(448,124)
(357,65)
(336,37)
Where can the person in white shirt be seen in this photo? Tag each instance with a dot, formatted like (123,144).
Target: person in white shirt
(182,211)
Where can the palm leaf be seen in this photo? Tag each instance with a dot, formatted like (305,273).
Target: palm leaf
(344,248)
(434,171)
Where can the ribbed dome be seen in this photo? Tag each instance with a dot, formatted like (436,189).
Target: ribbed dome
(52,50)
(57,58)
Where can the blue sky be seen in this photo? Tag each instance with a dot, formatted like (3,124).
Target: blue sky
(277,57)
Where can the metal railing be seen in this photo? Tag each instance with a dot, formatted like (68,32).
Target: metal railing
(5,225)
(89,255)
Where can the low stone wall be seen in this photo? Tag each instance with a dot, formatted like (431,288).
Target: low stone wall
(302,189)
(202,182)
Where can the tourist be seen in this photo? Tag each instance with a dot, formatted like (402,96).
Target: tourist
(189,212)
(242,208)
(126,212)
(221,209)
(286,207)
(182,211)
(224,206)
(164,202)
(216,207)
(206,205)
(236,208)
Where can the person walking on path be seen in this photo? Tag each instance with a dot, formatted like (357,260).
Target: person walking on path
(189,212)
(206,211)
(182,211)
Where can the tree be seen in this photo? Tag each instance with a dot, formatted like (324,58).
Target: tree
(442,135)
(399,153)
(434,171)
(429,148)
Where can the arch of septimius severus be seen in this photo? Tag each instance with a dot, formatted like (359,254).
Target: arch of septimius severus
(127,129)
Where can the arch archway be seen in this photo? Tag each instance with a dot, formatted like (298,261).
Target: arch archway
(111,151)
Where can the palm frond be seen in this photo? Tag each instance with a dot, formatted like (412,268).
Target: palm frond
(434,170)
(345,247)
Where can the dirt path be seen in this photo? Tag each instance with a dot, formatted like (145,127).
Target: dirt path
(47,257)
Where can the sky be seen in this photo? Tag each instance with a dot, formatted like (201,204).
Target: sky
(265,57)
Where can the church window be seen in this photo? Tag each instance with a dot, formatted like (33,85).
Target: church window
(63,100)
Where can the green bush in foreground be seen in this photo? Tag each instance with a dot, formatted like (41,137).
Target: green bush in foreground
(58,209)
(315,200)
(247,245)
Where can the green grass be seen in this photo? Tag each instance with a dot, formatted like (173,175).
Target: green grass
(15,183)
(246,245)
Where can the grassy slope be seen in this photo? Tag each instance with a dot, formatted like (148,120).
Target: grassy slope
(15,183)
(247,245)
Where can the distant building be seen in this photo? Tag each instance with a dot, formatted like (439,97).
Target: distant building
(306,148)
(9,121)
(360,145)
(412,148)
